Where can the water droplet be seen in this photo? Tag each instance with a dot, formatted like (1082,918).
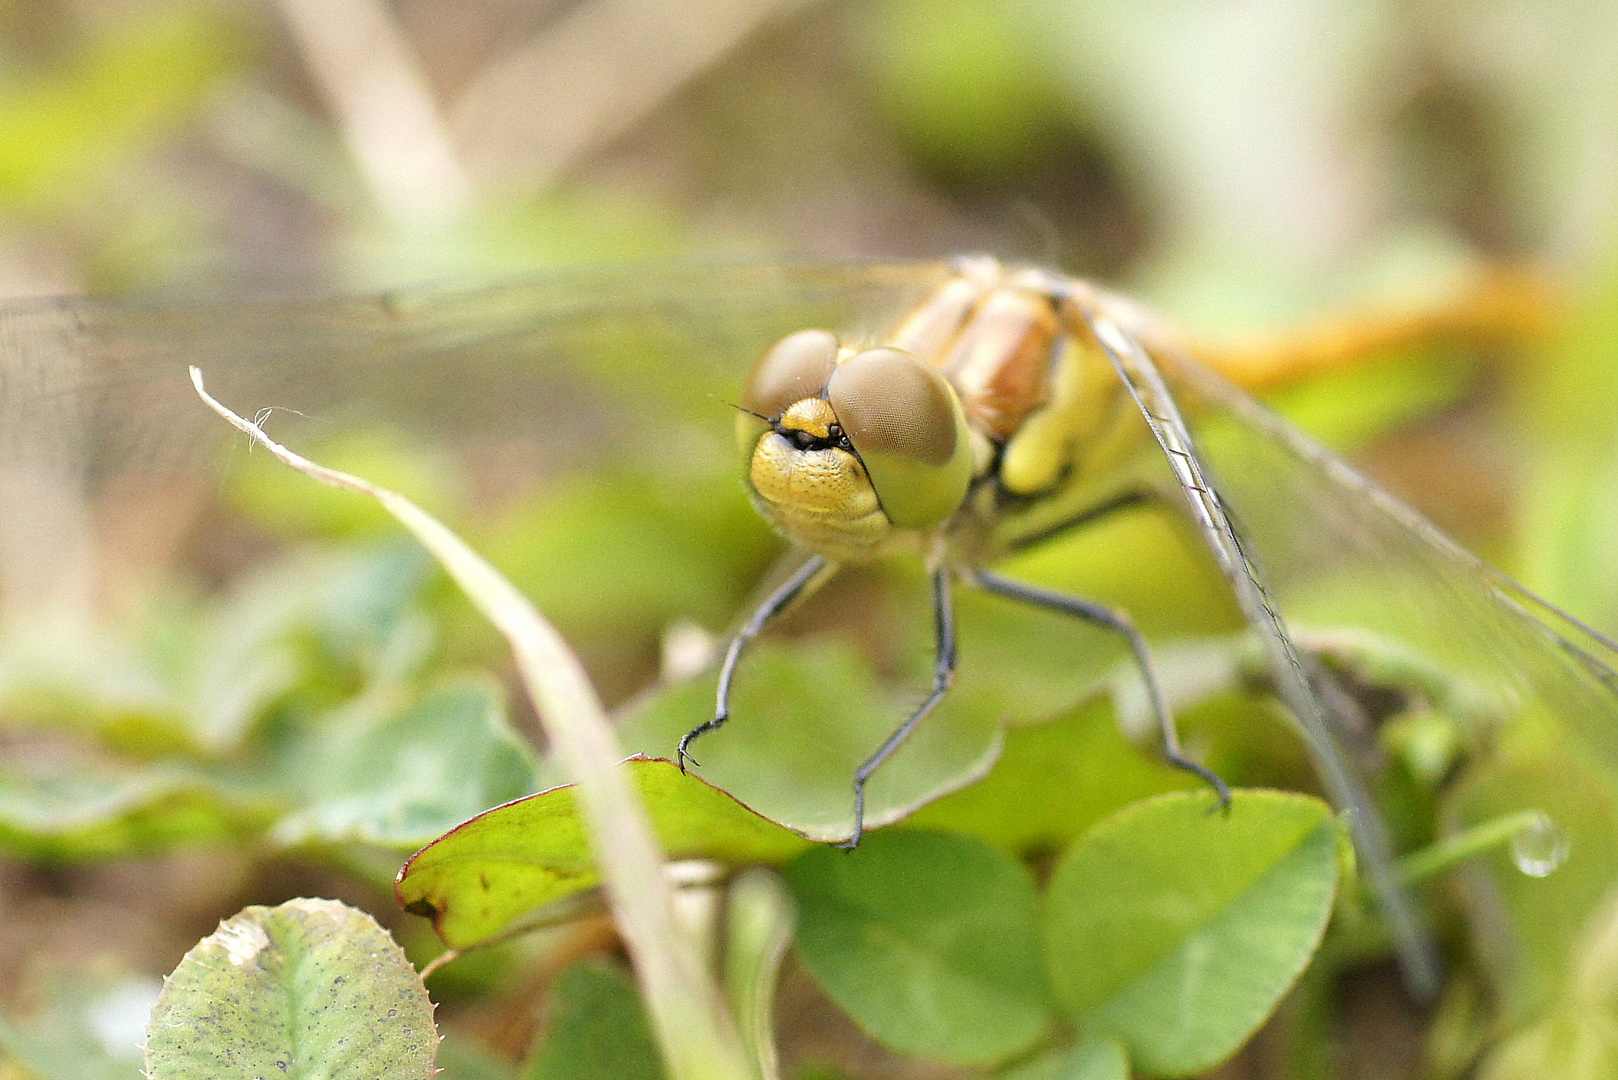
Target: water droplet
(1540,847)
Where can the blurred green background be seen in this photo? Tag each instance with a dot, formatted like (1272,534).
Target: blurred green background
(1277,152)
(1246,165)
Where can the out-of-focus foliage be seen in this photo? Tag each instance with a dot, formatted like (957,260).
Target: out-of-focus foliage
(272,695)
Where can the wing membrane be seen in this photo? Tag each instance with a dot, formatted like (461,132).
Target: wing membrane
(1337,550)
(1301,534)
(100,387)
(95,404)
(1307,700)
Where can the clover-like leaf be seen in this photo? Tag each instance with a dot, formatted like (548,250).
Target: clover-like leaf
(928,940)
(309,990)
(802,720)
(1176,928)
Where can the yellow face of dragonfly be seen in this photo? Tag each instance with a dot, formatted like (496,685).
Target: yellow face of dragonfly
(850,448)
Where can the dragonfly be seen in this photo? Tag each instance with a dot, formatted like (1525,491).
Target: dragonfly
(962,411)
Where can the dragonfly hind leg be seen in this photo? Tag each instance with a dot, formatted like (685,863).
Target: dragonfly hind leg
(943,677)
(1112,619)
(777,602)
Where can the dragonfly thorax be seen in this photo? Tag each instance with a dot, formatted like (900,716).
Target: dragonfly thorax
(995,377)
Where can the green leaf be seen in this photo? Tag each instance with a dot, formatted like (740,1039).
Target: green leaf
(1054,781)
(1177,929)
(803,717)
(310,989)
(404,778)
(928,940)
(476,880)
(66,799)
(305,627)
(1094,1058)
(597,1029)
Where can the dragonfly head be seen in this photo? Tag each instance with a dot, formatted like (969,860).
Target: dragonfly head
(847,447)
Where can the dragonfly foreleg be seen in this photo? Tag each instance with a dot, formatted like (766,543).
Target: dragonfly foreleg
(943,676)
(1119,622)
(777,602)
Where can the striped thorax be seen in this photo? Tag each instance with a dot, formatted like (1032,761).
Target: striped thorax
(987,415)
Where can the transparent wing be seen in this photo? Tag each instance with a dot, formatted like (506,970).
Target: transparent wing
(1240,556)
(95,404)
(1302,535)
(101,386)
(1336,550)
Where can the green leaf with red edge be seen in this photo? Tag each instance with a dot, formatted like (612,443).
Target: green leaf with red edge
(803,716)
(475,881)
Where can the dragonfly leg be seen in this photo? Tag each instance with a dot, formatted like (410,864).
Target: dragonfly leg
(1112,619)
(1121,501)
(943,676)
(777,602)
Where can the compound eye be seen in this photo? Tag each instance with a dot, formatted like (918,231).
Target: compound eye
(796,367)
(907,426)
